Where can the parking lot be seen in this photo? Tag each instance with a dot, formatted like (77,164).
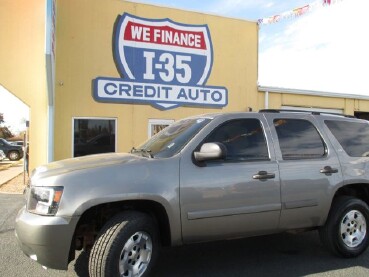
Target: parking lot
(277,255)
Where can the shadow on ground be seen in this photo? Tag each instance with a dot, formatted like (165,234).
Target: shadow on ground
(284,254)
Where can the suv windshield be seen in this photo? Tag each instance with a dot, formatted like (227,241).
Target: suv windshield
(172,139)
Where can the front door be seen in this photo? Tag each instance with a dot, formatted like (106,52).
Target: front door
(235,197)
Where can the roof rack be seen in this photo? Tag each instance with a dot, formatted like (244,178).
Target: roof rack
(303,111)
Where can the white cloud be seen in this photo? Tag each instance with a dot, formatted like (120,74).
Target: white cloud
(325,50)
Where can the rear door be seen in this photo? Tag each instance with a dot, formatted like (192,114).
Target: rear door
(309,169)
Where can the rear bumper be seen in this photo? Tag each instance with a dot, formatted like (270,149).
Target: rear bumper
(46,239)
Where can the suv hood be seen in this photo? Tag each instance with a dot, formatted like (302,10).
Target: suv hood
(80,163)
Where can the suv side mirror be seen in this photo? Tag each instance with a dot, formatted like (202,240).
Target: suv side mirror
(210,151)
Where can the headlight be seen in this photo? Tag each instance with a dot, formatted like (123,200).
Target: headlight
(44,200)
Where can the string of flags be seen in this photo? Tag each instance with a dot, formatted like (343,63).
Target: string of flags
(297,11)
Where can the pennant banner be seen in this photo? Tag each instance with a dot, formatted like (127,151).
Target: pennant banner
(297,12)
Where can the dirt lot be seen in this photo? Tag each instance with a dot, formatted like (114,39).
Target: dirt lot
(14,186)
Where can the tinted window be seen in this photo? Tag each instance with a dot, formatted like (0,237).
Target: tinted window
(299,139)
(244,140)
(93,136)
(353,136)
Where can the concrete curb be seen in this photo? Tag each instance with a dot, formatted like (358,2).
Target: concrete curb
(9,176)
(7,181)
(5,167)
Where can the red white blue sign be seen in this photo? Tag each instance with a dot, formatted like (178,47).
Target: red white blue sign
(162,63)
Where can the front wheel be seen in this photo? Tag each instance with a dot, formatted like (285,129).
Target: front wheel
(126,246)
(346,230)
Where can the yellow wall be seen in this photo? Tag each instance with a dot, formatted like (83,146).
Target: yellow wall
(84,52)
(22,65)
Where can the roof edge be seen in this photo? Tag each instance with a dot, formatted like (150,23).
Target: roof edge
(311,92)
(190,10)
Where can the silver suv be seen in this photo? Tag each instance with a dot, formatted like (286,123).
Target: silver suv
(209,177)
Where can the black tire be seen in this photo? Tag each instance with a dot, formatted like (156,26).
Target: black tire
(14,155)
(124,245)
(346,231)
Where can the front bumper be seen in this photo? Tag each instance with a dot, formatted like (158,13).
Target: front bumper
(46,239)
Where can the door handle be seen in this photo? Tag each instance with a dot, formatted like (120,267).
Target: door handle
(263,175)
(328,170)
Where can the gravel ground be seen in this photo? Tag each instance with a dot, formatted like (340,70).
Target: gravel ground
(14,186)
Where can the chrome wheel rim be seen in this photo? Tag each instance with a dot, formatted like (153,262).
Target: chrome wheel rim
(13,156)
(353,228)
(135,255)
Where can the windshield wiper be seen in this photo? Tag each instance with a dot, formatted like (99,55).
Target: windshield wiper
(144,152)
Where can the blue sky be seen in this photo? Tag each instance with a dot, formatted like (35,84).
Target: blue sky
(324,50)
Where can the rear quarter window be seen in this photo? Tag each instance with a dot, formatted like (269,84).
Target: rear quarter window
(352,136)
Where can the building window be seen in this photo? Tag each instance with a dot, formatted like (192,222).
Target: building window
(93,136)
(156,125)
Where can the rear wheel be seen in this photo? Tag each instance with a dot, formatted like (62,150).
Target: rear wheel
(14,155)
(126,246)
(346,230)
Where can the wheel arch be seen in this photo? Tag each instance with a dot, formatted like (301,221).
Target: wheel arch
(358,190)
(94,218)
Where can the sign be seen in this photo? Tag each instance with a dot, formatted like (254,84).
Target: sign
(162,63)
